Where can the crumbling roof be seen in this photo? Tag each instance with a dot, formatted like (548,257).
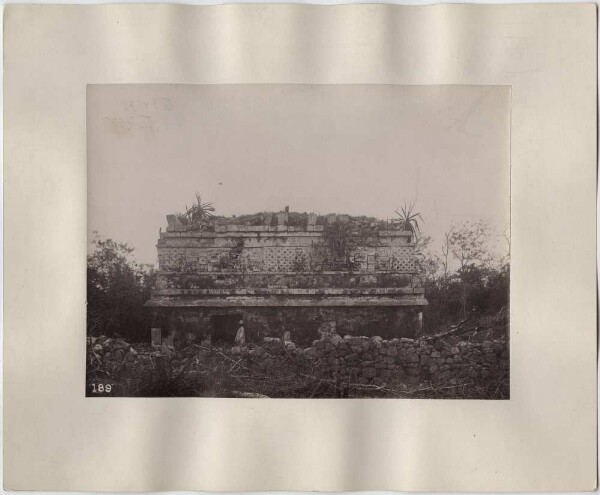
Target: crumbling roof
(358,224)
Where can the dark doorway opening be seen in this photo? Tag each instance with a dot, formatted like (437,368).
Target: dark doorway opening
(224,328)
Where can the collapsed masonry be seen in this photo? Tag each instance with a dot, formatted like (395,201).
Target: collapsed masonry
(286,274)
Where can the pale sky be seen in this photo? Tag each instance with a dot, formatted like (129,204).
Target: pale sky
(357,149)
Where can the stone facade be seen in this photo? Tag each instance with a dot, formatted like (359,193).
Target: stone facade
(287,278)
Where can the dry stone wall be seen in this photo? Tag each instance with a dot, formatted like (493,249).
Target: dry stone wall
(372,360)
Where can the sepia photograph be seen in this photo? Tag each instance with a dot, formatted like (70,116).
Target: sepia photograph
(298,241)
(300,248)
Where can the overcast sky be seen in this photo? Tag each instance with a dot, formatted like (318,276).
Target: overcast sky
(357,149)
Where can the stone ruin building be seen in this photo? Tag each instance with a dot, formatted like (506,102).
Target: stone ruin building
(289,275)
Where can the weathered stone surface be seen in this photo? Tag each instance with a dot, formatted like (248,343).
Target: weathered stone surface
(413,363)
(392,352)
(369,372)
(413,357)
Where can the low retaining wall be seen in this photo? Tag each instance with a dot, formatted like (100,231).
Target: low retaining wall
(372,360)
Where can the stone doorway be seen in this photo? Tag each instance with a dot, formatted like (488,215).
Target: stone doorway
(224,328)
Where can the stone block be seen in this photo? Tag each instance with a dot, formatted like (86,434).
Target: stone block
(369,373)
(282,218)
(174,224)
(499,347)
(352,357)
(385,374)
(155,336)
(310,352)
(413,357)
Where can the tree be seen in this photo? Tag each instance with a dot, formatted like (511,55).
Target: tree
(468,243)
(463,277)
(445,261)
(117,288)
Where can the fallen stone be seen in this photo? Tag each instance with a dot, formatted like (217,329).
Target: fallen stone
(369,372)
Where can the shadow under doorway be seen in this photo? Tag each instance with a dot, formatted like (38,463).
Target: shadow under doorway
(224,328)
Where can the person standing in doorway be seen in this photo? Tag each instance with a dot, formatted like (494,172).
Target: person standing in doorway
(240,336)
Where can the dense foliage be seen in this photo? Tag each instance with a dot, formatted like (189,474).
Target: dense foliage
(117,288)
(463,279)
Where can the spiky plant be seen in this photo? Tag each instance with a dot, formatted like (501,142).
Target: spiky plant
(409,219)
(338,236)
(198,214)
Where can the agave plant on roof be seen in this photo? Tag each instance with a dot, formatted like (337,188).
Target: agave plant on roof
(409,219)
(198,214)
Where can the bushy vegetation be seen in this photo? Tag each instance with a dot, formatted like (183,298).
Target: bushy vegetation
(117,288)
(463,278)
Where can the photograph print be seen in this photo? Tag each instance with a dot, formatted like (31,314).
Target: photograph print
(298,241)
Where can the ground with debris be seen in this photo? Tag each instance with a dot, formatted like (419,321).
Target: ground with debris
(447,365)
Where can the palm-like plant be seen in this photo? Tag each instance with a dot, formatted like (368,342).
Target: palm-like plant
(338,236)
(409,219)
(199,213)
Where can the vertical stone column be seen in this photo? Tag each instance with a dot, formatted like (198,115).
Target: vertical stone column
(155,336)
(419,322)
